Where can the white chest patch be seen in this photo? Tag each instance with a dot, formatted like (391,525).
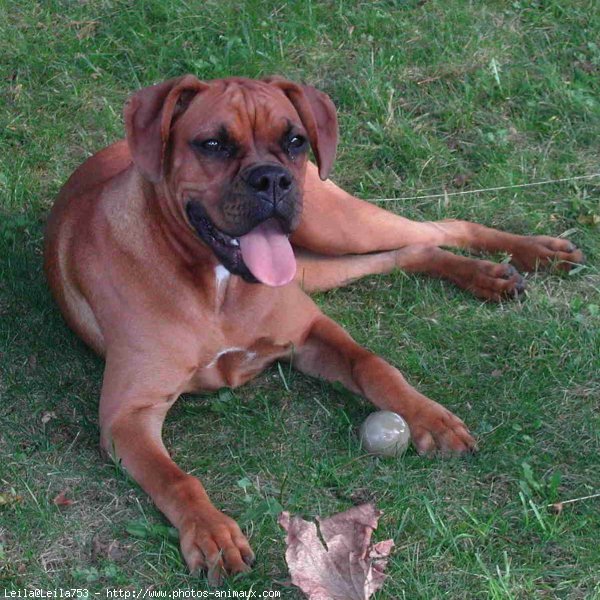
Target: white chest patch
(221,275)
(213,362)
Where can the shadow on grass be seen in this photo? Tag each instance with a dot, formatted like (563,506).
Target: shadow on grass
(45,367)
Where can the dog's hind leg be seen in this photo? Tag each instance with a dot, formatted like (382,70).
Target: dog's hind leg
(485,279)
(335,223)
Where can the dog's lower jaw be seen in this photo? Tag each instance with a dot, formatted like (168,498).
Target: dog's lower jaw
(225,247)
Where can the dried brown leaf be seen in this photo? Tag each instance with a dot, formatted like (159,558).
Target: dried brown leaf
(588,219)
(7,498)
(336,561)
(48,416)
(557,508)
(462,179)
(61,499)
(112,550)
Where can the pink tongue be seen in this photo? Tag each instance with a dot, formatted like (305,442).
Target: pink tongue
(268,254)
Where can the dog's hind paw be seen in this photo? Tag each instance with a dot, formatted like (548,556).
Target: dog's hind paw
(542,251)
(496,281)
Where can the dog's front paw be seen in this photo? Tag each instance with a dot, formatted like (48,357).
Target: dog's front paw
(213,541)
(537,251)
(435,430)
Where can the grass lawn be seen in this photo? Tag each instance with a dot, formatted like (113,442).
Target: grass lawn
(432,95)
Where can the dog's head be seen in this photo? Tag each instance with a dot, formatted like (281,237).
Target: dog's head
(232,154)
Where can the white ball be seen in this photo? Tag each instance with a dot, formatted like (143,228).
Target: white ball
(385,433)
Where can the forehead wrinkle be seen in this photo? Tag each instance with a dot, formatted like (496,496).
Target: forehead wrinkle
(250,112)
(232,111)
(264,114)
(246,110)
(223,113)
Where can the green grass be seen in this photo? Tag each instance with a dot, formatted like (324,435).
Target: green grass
(498,93)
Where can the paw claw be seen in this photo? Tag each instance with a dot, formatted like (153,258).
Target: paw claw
(510,271)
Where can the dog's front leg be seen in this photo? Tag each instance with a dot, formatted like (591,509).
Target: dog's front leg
(329,352)
(133,407)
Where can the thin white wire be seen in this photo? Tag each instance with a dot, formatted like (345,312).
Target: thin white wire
(492,189)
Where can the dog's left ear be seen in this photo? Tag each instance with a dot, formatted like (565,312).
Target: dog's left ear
(318,115)
(149,114)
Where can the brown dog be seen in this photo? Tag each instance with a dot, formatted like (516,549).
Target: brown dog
(169,253)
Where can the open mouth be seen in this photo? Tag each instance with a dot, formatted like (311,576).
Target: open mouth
(264,254)
(225,247)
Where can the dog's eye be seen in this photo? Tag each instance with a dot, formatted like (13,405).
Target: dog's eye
(296,143)
(215,147)
(211,145)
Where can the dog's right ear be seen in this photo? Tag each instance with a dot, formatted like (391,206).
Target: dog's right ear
(318,115)
(149,114)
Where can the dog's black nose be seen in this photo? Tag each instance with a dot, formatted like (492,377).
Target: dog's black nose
(270,181)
